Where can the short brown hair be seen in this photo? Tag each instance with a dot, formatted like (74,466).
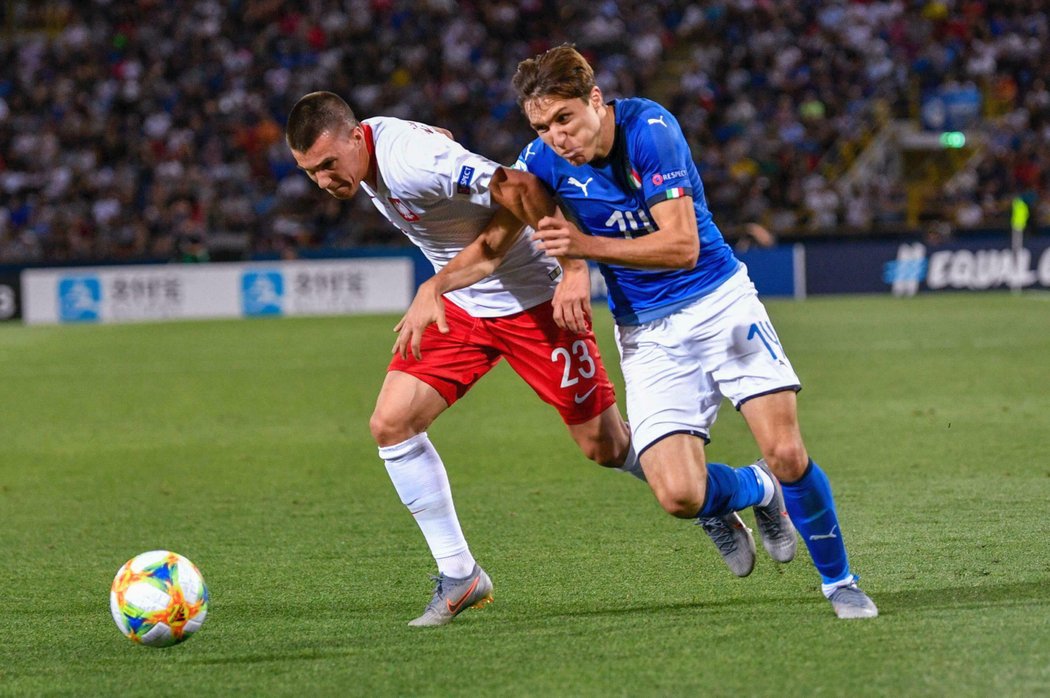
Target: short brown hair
(559,72)
(314,114)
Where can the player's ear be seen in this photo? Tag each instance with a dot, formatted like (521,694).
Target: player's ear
(356,140)
(596,99)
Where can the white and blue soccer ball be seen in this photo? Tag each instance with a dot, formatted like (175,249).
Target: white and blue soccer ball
(158,599)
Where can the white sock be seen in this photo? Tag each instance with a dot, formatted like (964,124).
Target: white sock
(768,489)
(829,589)
(419,477)
(457,566)
(632,465)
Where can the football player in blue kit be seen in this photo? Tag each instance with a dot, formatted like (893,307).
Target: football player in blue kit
(689,325)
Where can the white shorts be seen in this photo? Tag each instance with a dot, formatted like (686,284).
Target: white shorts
(677,369)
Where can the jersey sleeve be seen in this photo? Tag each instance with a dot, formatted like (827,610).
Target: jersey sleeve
(429,166)
(532,159)
(660,156)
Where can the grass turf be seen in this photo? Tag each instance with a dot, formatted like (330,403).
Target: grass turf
(245,446)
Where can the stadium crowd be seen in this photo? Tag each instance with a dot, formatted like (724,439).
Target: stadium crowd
(778,97)
(153,129)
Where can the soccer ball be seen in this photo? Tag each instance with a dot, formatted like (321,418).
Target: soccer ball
(158,598)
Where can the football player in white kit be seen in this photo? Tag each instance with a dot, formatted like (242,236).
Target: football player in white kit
(442,196)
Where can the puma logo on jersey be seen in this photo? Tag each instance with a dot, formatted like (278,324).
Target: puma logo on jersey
(528,152)
(582,185)
(658,121)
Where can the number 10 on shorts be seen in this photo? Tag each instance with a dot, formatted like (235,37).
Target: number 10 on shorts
(764,332)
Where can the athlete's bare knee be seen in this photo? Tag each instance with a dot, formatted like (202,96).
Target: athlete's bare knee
(604,440)
(788,460)
(387,431)
(608,447)
(681,505)
(679,499)
(605,458)
(605,453)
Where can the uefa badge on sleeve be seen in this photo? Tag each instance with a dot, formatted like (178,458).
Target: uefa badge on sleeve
(466,174)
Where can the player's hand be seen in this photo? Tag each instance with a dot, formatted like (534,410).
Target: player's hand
(559,238)
(426,308)
(572,297)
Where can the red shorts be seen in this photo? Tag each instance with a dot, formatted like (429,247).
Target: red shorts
(564,368)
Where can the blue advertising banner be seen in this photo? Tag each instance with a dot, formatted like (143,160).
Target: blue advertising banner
(951,108)
(910,267)
(841,267)
(772,269)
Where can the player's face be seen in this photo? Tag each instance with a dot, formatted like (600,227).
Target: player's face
(337,161)
(573,127)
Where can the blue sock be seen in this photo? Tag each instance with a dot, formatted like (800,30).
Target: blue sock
(812,509)
(730,489)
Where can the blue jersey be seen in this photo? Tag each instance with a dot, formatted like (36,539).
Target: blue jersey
(650,162)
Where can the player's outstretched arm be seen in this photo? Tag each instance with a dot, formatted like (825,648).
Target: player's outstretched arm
(527,197)
(524,195)
(521,197)
(523,200)
(674,245)
(471,264)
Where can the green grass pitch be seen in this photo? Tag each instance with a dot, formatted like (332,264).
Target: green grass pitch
(245,447)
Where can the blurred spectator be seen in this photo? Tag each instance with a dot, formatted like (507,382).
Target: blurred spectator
(803,85)
(152,128)
(754,235)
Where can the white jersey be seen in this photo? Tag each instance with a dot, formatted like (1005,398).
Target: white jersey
(437,193)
